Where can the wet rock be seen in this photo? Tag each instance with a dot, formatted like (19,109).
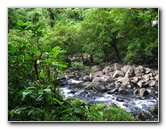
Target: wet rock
(143,92)
(154,110)
(113,91)
(99,84)
(145,85)
(119,99)
(79,92)
(122,90)
(140,117)
(86,78)
(125,104)
(136,92)
(72,81)
(72,92)
(153,83)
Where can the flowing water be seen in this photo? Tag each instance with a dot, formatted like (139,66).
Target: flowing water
(135,105)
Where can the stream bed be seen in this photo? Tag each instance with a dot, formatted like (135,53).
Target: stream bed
(142,108)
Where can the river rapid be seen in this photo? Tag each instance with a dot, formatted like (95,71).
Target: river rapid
(142,108)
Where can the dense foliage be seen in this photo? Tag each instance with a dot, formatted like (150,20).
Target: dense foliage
(42,42)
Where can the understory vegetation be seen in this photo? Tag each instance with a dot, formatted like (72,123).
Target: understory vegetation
(42,42)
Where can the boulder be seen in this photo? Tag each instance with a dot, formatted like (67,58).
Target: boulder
(118,73)
(136,91)
(130,72)
(110,74)
(153,83)
(146,77)
(140,83)
(117,66)
(139,70)
(147,70)
(143,92)
(124,81)
(95,68)
(107,79)
(87,78)
(107,70)
(126,68)
(157,77)
(135,79)
(97,74)
(99,84)
(122,90)
(155,72)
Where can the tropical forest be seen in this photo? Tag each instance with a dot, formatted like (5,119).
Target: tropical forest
(83,64)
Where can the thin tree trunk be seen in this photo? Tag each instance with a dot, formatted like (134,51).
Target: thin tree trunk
(113,44)
(51,17)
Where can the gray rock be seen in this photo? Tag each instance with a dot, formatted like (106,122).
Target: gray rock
(140,69)
(122,90)
(126,68)
(117,66)
(86,78)
(118,73)
(99,84)
(107,70)
(124,81)
(97,74)
(113,91)
(157,77)
(95,68)
(143,92)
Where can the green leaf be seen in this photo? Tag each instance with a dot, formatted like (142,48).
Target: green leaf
(100,113)
(33,49)
(11,48)
(55,48)
(41,74)
(46,49)
(38,61)
(47,91)
(20,23)
(40,91)
(59,102)
(30,112)
(24,94)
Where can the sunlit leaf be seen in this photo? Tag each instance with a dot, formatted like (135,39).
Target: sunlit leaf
(20,23)
(59,102)
(40,91)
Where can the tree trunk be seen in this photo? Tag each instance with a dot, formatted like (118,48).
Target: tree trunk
(113,44)
(52,18)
